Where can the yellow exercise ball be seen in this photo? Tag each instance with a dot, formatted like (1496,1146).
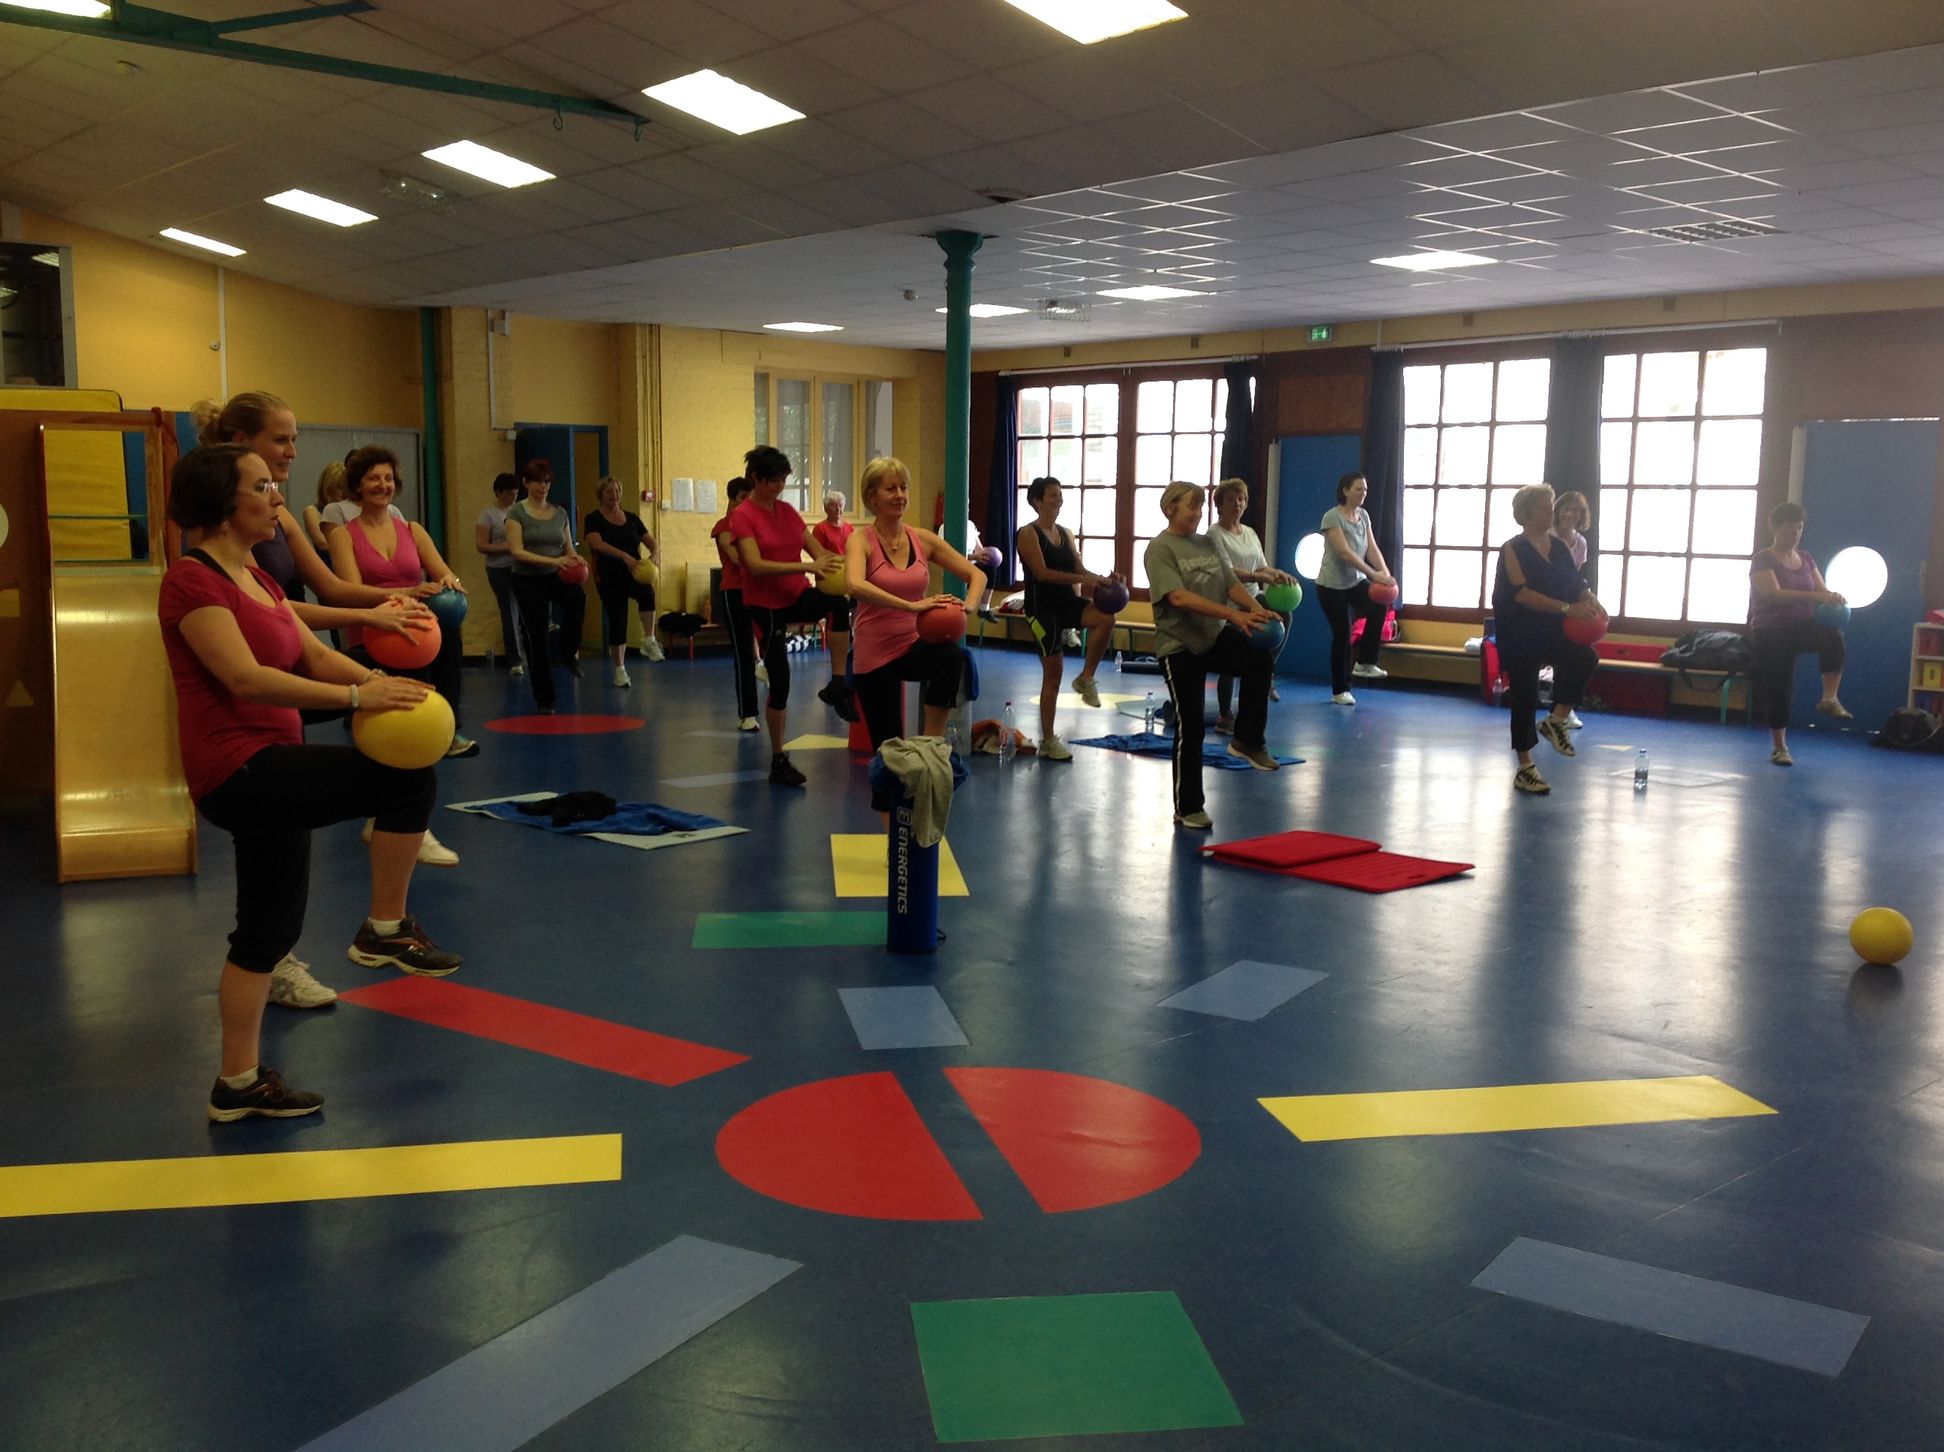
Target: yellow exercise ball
(408,739)
(837,582)
(1881,935)
(647,572)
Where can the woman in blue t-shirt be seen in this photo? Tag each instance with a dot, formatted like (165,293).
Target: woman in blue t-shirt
(1538,588)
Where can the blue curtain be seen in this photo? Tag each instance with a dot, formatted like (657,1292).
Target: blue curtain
(1001,525)
(1239,441)
(1573,431)
(1383,454)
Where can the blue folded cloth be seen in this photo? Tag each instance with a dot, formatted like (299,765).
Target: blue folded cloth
(639,819)
(1153,743)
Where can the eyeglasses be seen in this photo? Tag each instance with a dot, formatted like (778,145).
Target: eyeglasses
(263,486)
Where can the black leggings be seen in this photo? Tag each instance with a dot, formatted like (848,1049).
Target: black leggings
(1225,685)
(742,644)
(502,582)
(1775,648)
(811,605)
(271,804)
(536,596)
(615,595)
(1573,667)
(1338,608)
(1186,673)
(939,664)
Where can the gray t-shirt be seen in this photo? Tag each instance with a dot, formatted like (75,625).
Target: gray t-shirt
(539,536)
(1192,563)
(1334,571)
(495,521)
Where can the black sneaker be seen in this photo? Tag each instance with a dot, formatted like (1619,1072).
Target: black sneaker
(269,1096)
(408,949)
(783,774)
(838,698)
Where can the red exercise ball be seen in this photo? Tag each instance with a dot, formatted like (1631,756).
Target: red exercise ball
(574,574)
(404,652)
(1383,594)
(941,624)
(1585,632)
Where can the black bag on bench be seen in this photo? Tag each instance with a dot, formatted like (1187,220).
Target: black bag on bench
(1725,651)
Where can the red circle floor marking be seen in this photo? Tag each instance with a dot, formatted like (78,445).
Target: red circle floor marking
(858,1146)
(565,725)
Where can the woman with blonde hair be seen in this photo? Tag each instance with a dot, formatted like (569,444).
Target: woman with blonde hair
(617,536)
(330,489)
(1572,517)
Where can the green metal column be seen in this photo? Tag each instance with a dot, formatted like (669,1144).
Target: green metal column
(958,247)
(433,435)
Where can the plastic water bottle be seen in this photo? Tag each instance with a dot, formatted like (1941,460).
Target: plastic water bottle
(951,738)
(1640,770)
(1147,717)
(1008,734)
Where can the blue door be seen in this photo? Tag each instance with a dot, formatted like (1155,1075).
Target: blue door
(1870,482)
(1308,468)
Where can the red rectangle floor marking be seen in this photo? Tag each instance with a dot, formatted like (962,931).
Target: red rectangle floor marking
(557,1032)
(1280,850)
(1378,871)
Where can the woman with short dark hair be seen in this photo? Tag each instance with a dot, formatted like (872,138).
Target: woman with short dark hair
(489,538)
(1352,563)
(1785,587)
(1054,575)
(542,545)
(1537,589)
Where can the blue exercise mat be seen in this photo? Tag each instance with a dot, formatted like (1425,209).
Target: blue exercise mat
(635,819)
(1153,743)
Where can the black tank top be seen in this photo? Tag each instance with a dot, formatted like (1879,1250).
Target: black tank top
(274,558)
(1059,555)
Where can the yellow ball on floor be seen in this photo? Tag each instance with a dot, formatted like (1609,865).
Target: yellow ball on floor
(1881,935)
(409,739)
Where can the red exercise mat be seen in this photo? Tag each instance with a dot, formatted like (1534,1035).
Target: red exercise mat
(1378,871)
(1282,850)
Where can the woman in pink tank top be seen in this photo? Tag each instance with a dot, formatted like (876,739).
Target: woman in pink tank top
(890,578)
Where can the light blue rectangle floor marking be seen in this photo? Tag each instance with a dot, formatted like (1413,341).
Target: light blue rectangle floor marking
(1245,990)
(1688,1308)
(502,1395)
(901,1018)
(720,778)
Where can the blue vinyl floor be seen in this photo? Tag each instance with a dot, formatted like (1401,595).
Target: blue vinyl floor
(1695,929)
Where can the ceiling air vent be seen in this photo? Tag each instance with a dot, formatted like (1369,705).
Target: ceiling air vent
(1712,231)
(1063,309)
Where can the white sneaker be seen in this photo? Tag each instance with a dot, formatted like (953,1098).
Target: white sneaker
(621,677)
(1086,690)
(516,669)
(1196,821)
(1054,749)
(762,673)
(748,723)
(1343,698)
(291,985)
(652,649)
(1368,672)
(1070,638)
(434,853)
(1573,722)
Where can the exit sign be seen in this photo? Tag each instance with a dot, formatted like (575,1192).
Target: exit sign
(1322,332)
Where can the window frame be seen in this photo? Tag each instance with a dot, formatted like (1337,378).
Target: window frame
(806,488)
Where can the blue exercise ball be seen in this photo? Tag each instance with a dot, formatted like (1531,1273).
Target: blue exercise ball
(1836,615)
(449,606)
(1267,637)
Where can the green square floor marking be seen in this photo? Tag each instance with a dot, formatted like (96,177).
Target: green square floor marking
(789,930)
(1052,1366)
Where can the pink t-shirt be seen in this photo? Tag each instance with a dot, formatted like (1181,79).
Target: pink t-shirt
(778,532)
(733,574)
(218,732)
(402,571)
(880,634)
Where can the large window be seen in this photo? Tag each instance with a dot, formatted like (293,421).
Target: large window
(1680,454)
(1115,445)
(1474,434)
(829,427)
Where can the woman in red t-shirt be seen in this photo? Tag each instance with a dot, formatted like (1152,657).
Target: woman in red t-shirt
(742,638)
(244,666)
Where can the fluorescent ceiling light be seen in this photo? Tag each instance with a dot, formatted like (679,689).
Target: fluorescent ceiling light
(1433,261)
(722,102)
(1090,20)
(988,310)
(1151,293)
(208,244)
(85,9)
(48,259)
(804,327)
(322,208)
(487,164)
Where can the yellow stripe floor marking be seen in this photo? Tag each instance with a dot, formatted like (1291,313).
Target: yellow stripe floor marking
(858,864)
(270,1179)
(816,741)
(1313,1117)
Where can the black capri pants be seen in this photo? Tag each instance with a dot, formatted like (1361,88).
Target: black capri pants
(812,604)
(272,803)
(615,592)
(1340,607)
(1573,666)
(536,596)
(742,644)
(940,665)
(1775,648)
(1187,673)
(1056,609)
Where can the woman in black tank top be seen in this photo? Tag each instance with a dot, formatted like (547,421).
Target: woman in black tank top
(1053,606)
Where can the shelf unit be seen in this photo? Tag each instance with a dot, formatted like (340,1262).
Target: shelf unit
(1927,667)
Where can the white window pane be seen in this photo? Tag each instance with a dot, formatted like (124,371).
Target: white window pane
(1500,526)
(1023,510)
(1139,572)
(1460,518)
(1669,383)
(1467,392)
(1616,453)
(1417,516)
(1063,461)
(1664,454)
(1718,591)
(1194,458)
(1654,586)
(1032,459)
(1216,454)
(1153,459)
(1097,512)
(1100,460)
(1457,579)
(1421,395)
(1066,408)
(1462,455)
(839,459)
(1098,555)
(1033,404)
(1417,577)
(1420,457)
(793,421)
(1194,410)
(1659,520)
(1154,408)
(1724,522)
(1522,389)
(1519,454)
(879,415)
(1103,408)
(1733,381)
(1731,452)
(1617,386)
(1610,509)
(762,408)
(1148,519)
